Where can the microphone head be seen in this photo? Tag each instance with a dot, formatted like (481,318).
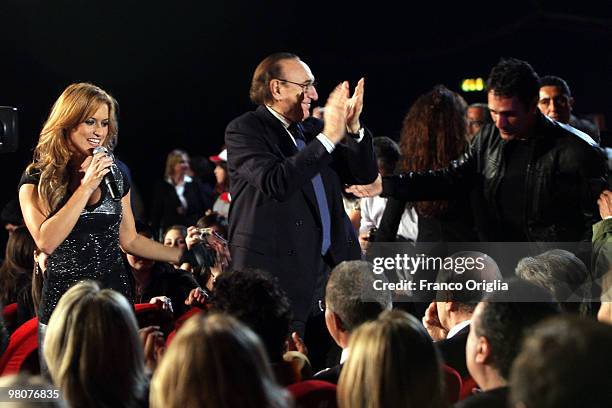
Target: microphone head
(100,149)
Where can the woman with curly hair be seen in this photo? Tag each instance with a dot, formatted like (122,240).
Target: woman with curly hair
(432,136)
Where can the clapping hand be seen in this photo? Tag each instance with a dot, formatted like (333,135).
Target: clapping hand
(354,106)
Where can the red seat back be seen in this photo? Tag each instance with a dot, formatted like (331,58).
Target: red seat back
(467,389)
(22,346)
(180,321)
(313,394)
(10,316)
(453,384)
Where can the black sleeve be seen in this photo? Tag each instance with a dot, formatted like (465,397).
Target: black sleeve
(125,176)
(29,177)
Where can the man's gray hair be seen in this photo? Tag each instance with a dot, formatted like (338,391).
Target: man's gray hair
(350,293)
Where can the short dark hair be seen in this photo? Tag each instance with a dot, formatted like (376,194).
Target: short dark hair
(564,363)
(387,153)
(349,294)
(255,298)
(267,70)
(551,80)
(513,77)
(505,319)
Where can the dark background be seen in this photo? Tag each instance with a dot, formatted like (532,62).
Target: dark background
(181,70)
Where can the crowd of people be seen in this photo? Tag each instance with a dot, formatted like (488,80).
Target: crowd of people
(264,280)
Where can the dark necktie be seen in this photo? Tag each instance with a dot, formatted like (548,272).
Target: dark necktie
(317,182)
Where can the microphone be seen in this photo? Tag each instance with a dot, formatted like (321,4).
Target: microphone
(109,178)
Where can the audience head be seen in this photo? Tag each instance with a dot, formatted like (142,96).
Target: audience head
(387,154)
(433,134)
(221,171)
(477,116)
(75,107)
(562,273)
(177,164)
(392,363)
(11,215)
(18,263)
(564,363)
(555,99)
(256,299)
(286,84)
(350,299)
(215,361)
(36,383)
(175,236)
(455,306)
(498,327)
(93,350)
(214,220)
(512,94)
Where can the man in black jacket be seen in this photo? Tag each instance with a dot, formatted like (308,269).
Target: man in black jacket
(533,179)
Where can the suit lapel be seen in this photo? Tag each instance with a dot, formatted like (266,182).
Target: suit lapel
(280,138)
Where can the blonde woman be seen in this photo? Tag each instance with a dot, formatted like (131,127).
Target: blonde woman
(69,212)
(215,361)
(93,350)
(178,198)
(392,363)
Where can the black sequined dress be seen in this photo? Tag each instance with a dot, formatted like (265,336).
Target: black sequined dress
(90,252)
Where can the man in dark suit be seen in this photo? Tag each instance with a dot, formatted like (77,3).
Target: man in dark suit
(287,173)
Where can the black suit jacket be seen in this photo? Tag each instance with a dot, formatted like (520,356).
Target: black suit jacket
(495,398)
(274,221)
(453,351)
(165,203)
(331,375)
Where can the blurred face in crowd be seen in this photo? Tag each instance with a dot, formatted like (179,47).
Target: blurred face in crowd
(554,104)
(513,119)
(174,238)
(181,167)
(475,119)
(295,91)
(220,174)
(91,133)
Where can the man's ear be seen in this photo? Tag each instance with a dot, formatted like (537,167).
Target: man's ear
(571,103)
(483,350)
(338,322)
(274,86)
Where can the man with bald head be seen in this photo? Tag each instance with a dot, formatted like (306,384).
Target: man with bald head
(287,171)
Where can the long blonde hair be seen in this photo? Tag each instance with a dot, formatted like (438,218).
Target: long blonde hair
(215,361)
(392,363)
(174,157)
(93,350)
(52,153)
